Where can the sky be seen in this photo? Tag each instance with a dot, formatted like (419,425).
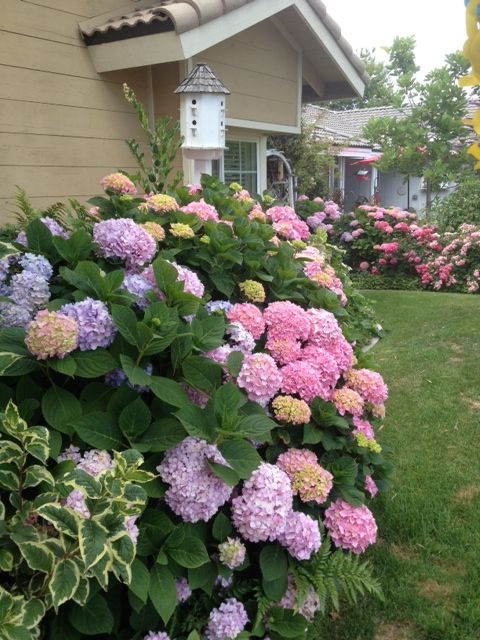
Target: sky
(438,25)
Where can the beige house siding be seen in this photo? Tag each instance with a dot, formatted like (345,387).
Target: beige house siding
(62,125)
(261,69)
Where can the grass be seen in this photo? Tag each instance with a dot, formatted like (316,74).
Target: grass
(428,554)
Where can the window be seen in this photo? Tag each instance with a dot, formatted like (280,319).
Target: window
(240,164)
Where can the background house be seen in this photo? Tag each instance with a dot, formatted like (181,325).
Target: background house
(354,177)
(63,117)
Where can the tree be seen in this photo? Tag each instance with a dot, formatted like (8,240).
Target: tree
(428,139)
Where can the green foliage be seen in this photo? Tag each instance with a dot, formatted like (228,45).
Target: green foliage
(369,281)
(49,554)
(427,140)
(163,141)
(459,207)
(310,157)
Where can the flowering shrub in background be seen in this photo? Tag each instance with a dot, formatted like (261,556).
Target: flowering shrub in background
(390,242)
(211,338)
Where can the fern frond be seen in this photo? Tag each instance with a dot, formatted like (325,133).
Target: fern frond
(25,211)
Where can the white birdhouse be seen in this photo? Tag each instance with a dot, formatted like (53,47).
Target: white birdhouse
(202,114)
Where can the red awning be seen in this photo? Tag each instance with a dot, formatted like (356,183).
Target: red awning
(370,160)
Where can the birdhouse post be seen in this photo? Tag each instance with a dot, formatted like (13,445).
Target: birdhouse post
(202,118)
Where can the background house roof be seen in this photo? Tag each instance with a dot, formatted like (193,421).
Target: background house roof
(346,127)
(179,17)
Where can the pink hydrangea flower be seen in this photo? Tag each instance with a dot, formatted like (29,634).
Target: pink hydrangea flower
(202,210)
(161,203)
(194,189)
(51,335)
(348,400)
(260,378)
(310,380)
(364,427)
(309,480)
(283,350)
(287,320)
(249,316)
(119,184)
(350,528)
(371,486)
(292,229)
(301,536)
(260,513)
(277,213)
(191,282)
(369,384)
(195,492)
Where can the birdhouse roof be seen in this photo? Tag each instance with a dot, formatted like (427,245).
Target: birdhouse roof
(201,80)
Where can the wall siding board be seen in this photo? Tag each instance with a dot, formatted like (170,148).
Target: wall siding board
(49,151)
(260,68)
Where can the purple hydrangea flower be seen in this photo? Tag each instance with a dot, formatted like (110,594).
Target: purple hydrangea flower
(76,501)
(183,590)
(260,512)
(12,315)
(123,238)
(156,635)
(131,528)
(218,305)
(30,290)
(54,228)
(316,220)
(226,622)
(95,462)
(95,325)
(300,536)
(36,264)
(240,339)
(4,267)
(70,453)
(195,492)
(138,287)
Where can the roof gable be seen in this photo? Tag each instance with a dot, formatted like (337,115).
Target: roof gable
(184,28)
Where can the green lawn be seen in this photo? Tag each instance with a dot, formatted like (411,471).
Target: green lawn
(428,555)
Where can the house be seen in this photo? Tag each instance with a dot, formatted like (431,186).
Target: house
(63,116)
(355,179)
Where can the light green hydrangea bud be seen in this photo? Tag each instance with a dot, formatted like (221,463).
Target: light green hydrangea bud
(232,553)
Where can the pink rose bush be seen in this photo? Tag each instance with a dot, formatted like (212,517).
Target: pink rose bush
(224,355)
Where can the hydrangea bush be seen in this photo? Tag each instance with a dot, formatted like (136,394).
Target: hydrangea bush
(208,453)
(393,244)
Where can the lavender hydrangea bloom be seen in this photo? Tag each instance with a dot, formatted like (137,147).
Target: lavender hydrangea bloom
(22,239)
(138,287)
(241,339)
(195,492)
(70,453)
(156,635)
(36,264)
(12,315)
(260,512)
(76,501)
(29,290)
(95,462)
(226,622)
(131,528)
(300,536)
(316,220)
(346,237)
(54,228)
(95,325)
(218,305)
(124,239)
(183,590)
(4,267)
